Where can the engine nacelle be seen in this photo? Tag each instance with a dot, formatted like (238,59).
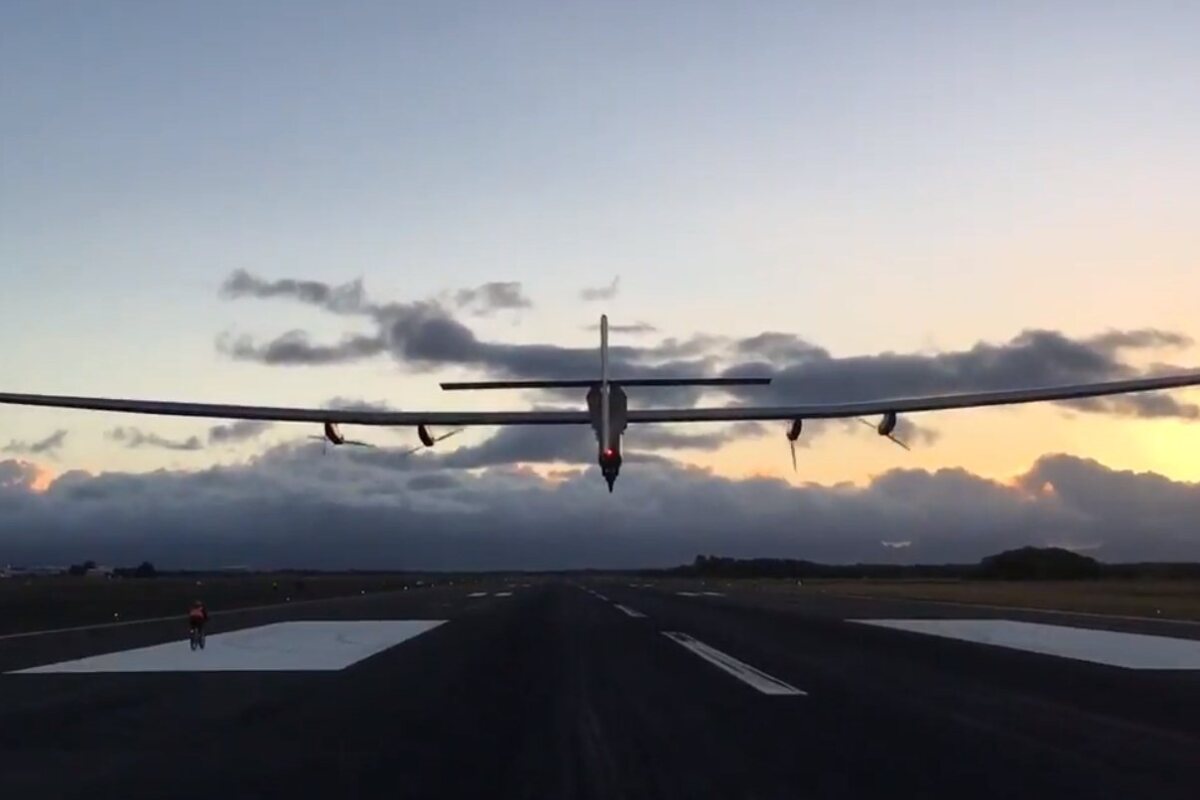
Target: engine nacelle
(887,424)
(424,435)
(333,434)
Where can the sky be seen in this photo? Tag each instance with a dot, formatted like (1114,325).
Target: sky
(862,199)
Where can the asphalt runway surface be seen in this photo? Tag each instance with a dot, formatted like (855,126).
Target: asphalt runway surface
(603,690)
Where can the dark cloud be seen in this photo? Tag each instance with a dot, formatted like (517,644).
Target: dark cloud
(358,404)
(343,299)
(292,507)
(1146,406)
(134,438)
(48,446)
(491,297)
(17,475)
(601,292)
(1139,339)
(294,348)
(1033,358)
(575,444)
(694,437)
(431,481)
(424,335)
(235,432)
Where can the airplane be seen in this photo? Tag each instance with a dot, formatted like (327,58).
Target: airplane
(607,409)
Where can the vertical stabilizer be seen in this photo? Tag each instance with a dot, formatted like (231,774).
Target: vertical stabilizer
(605,426)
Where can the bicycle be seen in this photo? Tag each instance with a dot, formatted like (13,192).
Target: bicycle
(196,637)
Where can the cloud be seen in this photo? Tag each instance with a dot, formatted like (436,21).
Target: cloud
(134,439)
(601,292)
(422,483)
(802,372)
(290,507)
(293,348)
(17,475)
(491,297)
(425,335)
(340,299)
(48,446)
(358,404)
(694,437)
(239,431)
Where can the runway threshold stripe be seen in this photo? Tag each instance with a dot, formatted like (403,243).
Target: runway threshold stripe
(738,669)
(321,645)
(1111,648)
(630,611)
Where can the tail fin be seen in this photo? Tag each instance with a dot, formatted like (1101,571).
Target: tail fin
(605,426)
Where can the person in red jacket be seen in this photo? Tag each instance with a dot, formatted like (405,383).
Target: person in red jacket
(197,617)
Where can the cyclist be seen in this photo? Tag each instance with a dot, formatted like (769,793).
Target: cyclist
(197,619)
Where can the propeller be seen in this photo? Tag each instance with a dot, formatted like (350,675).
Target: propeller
(884,430)
(428,440)
(332,434)
(793,434)
(325,443)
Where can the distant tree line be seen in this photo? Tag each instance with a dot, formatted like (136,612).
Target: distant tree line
(143,570)
(1025,563)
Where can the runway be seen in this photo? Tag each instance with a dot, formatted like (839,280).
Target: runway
(602,690)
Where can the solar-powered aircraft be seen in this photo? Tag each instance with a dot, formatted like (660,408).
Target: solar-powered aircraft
(607,410)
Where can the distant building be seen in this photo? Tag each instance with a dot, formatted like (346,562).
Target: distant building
(99,572)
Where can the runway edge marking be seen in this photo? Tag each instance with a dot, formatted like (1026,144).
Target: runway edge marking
(177,617)
(747,674)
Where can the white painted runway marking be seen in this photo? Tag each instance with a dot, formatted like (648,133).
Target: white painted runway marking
(503,594)
(688,594)
(478,594)
(713,594)
(1113,648)
(284,646)
(630,611)
(602,597)
(738,669)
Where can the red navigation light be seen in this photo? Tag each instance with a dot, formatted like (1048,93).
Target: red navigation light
(608,452)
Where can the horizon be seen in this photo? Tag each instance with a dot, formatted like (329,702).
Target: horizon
(276,206)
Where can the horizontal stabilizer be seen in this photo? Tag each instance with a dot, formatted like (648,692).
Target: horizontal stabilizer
(584,384)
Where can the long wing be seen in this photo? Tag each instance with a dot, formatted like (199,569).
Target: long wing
(319,415)
(908,405)
(724,414)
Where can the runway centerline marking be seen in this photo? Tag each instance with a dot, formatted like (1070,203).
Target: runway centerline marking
(314,645)
(1111,648)
(713,594)
(738,669)
(631,612)
(503,594)
(688,594)
(478,594)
